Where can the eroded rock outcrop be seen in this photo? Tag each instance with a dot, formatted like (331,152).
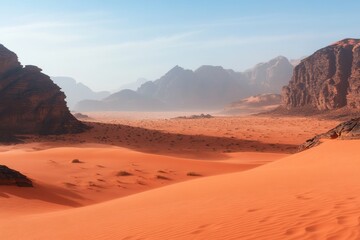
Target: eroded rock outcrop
(12,177)
(30,101)
(346,130)
(329,79)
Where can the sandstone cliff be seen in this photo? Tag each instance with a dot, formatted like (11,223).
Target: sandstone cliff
(329,79)
(30,101)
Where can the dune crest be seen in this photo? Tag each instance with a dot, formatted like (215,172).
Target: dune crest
(287,199)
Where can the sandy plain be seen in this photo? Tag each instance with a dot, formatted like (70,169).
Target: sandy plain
(155,177)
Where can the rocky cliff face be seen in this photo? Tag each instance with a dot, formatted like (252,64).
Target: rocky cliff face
(327,80)
(30,101)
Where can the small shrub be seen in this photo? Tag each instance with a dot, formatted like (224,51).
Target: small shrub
(76,161)
(162,177)
(123,174)
(193,174)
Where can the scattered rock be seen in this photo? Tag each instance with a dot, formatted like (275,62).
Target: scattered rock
(201,116)
(162,177)
(76,161)
(193,174)
(346,130)
(9,176)
(123,174)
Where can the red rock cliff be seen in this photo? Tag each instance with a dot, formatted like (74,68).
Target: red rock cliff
(30,102)
(328,79)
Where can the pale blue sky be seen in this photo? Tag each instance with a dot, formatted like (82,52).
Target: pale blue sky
(107,43)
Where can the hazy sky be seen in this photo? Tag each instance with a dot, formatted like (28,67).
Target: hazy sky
(105,43)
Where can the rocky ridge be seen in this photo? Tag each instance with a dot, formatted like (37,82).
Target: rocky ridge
(346,130)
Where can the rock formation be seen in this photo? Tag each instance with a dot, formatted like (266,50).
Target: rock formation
(346,130)
(30,101)
(11,177)
(329,79)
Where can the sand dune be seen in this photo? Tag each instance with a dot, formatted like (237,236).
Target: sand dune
(104,173)
(309,195)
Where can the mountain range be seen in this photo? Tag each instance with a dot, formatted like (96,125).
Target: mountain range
(76,91)
(133,85)
(206,88)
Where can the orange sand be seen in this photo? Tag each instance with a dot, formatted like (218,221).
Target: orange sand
(250,186)
(309,195)
(61,184)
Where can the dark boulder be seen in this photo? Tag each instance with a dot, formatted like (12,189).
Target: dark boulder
(9,176)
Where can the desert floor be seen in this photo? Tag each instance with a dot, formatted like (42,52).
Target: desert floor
(148,176)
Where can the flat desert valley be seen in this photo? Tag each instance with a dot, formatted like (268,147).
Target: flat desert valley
(179,120)
(153,176)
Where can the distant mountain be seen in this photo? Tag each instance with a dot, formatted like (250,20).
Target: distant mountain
(133,85)
(125,100)
(270,76)
(76,92)
(329,79)
(296,62)
(213,87)
(257,103)
(206,88)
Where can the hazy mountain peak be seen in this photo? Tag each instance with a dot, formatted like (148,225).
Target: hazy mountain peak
(133,85)
(175,70)
(77,91)
(209,68)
